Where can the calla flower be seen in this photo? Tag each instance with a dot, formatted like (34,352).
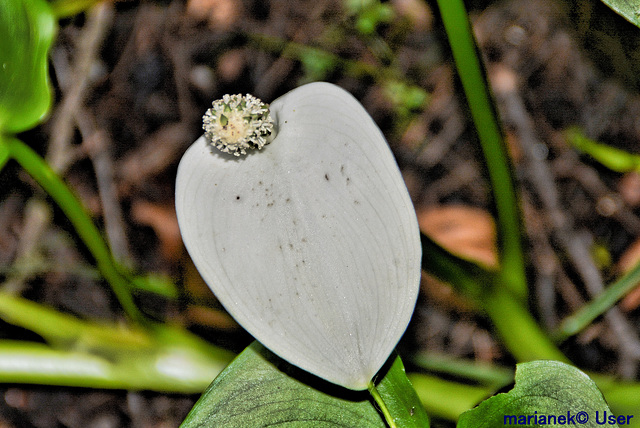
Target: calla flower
(310,241)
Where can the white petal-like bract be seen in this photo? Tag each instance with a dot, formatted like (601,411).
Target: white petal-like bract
(312,243)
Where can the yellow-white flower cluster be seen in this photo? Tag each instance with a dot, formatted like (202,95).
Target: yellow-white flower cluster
(237,123)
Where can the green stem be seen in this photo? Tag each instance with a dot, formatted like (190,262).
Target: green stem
(381,405)
(37,168)
(485,118)
(397,399)
(101,355)
(519,330)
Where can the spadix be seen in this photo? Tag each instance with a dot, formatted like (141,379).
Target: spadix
(311,243)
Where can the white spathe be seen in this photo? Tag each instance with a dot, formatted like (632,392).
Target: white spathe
(311,243)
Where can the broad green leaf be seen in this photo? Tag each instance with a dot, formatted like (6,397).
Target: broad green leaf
(546,393)
(27,29)
(258,389)
(628,9)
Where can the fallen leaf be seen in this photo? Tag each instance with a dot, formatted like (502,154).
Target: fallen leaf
(627,261)
(162,219)
(416,11)
(221,14)
(465,231)
(629,188)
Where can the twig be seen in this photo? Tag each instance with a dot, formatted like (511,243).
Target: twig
(179,53)
(544,259)
(33,228)
(97,145)
(569,163)
(58,155)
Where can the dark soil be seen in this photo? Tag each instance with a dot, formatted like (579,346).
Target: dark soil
(133,79)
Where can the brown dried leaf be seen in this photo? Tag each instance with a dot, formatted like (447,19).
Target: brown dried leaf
(629,188)
(465,231)
(627,261)
(231,65)
(416,11)
(162,219)
(221,14)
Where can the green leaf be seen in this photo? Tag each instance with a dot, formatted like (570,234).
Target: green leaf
(157,283)
(317,63)
(628,9)
(27,29)
(69,8)
(258,389)
(611,157)
(453,398)
(5,153)
(543,389)
(370,17)
(583,317)
(92,354)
